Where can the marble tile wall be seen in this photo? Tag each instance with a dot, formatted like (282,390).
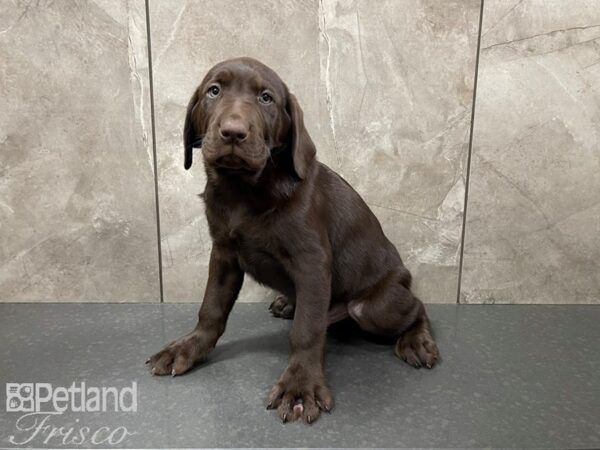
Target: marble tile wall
(77,212)
(386,88)
(533,213)
(387,91)
(187,39)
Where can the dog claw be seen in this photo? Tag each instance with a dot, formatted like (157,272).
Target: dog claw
(173,373)
(309,420)
(153,371)
(269,405)
(284,418)
(147,361)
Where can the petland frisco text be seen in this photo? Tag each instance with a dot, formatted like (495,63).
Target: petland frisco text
(42,407)
(43,397)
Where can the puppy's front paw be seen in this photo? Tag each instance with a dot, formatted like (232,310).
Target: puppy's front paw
(300,393)
(179,356)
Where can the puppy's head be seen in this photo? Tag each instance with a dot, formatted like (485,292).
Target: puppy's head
(242,113)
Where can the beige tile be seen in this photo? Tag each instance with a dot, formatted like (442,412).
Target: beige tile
(432,263)
(188,39)
(77,213)
(386,88)
(533,220)
(399,77)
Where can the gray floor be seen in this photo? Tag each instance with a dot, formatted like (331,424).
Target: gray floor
(511,376)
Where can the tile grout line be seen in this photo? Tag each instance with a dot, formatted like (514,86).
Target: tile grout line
(154,158)
(469,153)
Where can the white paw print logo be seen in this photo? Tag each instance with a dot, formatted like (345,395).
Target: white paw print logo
(19,397)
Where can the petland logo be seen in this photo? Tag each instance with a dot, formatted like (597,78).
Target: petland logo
(42,402)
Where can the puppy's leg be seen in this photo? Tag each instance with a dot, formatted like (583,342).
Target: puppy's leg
(283,306)
(224,282)
(301,391)
(390,309)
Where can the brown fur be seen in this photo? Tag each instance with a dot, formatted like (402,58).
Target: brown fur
(276,213)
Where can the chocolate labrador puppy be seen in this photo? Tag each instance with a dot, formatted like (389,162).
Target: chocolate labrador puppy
(277,214)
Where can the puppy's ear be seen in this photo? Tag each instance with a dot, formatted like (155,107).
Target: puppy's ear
(191,138)
(303,148)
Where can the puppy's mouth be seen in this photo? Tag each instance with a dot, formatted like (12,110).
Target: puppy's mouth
(235,160)
(233,164)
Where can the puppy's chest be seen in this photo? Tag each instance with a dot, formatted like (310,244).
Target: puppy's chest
(260,252)
(250,234)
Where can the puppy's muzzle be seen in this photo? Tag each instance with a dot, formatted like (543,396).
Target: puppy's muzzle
(232,163)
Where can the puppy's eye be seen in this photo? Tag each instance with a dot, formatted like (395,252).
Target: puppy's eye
(265,98)
(213,91)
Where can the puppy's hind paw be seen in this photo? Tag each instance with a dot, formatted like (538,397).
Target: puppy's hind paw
(282,307)
(418,350)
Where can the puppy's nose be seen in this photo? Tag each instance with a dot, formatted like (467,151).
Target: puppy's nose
(233,130)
